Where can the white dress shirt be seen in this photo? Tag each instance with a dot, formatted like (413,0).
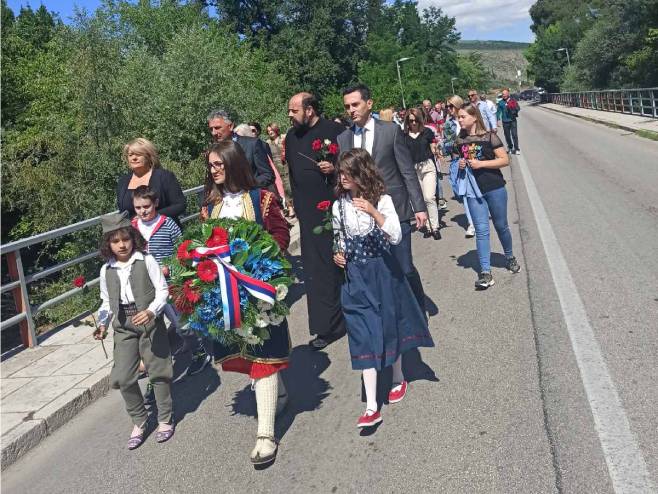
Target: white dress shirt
(360,223)
(370,135)
(123,271)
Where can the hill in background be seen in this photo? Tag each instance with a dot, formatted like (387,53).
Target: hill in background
(502,58)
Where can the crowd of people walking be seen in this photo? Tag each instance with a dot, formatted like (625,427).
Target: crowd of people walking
(381,181)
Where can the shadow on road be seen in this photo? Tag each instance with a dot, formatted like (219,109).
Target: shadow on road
(296,290)
(306,389)
(472,261)
(188,394)
(461,220)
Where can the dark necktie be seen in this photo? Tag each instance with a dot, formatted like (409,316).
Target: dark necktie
(363,138)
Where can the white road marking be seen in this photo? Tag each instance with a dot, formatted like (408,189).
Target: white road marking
(626,465)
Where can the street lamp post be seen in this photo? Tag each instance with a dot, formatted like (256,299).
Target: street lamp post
(566,50)
(397,64)
(452,84)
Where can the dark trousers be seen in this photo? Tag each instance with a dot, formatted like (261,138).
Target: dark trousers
(402,253)
(511,135)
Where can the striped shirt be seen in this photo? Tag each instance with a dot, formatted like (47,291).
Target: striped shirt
(161,233)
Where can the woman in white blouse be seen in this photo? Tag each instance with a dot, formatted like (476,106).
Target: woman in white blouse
(382,315)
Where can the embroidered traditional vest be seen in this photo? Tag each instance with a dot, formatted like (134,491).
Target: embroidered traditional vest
(251,207)
(140,283)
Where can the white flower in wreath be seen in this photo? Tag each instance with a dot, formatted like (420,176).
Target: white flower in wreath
(244,331)
(327,142)
(253,339)
(276,319)
(262,321)
(281,292)
(261,305)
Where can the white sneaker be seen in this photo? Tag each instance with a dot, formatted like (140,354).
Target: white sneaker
(470,231)
(518,151)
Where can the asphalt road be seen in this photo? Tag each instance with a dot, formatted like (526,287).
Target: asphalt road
(499,406)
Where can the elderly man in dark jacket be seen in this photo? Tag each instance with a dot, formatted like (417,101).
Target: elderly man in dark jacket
(221,126)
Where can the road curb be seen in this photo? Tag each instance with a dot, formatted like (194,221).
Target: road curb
(47,420)
(638,132)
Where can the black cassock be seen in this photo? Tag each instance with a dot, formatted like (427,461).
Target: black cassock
(322,278)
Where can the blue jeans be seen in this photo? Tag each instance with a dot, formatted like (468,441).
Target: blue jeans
(492,203)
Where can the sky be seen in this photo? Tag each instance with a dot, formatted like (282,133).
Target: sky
(506,20)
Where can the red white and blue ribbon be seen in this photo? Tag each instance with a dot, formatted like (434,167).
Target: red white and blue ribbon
(229,279)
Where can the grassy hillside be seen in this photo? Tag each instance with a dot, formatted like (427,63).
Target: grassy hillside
(502,58)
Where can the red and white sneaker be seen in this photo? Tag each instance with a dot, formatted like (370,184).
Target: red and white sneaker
(369,419)
(397,392)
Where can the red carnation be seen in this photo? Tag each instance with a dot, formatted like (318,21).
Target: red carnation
(191,295)
(332,148)
(218,237)
(182,253)
(323,205)
(316,145)
(206,271)
(183,306)
(79,282)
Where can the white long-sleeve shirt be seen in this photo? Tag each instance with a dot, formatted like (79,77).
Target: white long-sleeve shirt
(123,271)
(360,223)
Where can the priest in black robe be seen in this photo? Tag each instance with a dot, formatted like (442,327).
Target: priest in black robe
(313,181)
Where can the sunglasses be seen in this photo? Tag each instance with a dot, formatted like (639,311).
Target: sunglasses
(450,106)
(412,120)
(472,94)
(216,165)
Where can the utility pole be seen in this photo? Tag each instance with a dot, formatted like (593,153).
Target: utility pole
(397,64)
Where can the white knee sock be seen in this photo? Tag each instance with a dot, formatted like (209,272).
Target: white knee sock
(398,377)
(266,392)
(370,383)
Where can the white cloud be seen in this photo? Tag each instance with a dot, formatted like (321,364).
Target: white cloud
(482,15)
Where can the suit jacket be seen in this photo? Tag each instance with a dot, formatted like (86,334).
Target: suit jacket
(395,166)
(256,152)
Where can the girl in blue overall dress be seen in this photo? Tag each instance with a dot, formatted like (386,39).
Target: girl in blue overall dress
(382,315)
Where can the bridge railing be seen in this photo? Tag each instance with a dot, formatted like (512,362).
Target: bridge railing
(19,280)
(642,102)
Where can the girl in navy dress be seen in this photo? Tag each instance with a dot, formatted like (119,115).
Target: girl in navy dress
(382,315)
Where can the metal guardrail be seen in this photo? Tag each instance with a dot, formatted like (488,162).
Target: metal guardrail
(643,102)
(20,281)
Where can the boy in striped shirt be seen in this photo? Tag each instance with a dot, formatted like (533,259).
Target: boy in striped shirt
(161,234)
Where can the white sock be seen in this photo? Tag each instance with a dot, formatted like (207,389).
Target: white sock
(370,383)
(266,390)
(398,377)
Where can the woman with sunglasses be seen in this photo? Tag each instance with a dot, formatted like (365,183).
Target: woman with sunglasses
(451,131)
(421,143)
(231,192)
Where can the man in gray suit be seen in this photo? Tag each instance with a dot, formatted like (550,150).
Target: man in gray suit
(384,141)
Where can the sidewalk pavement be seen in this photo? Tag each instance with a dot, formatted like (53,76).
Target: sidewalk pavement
(43,388)
(632,123)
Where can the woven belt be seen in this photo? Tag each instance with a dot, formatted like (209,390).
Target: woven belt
(129,309)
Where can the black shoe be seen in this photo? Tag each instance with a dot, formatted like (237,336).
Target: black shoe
(513,265)
(427,234)
(485,280)
(436,234)
(318,343)
(200,360)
